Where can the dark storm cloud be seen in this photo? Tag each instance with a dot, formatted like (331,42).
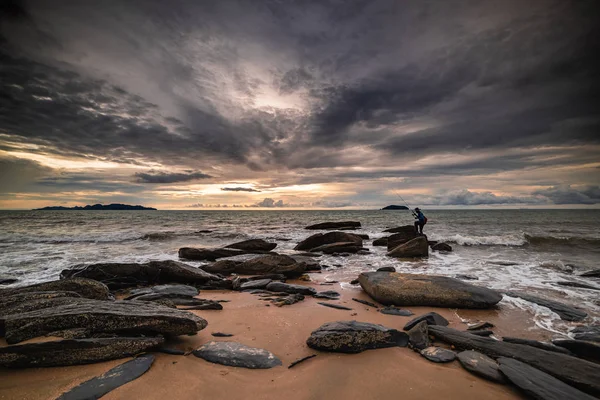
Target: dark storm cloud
(565,194)
(239,189)
(169,177)
(466,197)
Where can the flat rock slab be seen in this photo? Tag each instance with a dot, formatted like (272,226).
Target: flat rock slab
(179,290)
(564,311)
(267,264)
(589,333)
(396,311)
(88,288)
(112,379)
(289,288)
(255,284)
(221,334)
(431,318)
(335,225)
(336,306)
(206,254)
(74,351)
(320,239)
(574,371)
(535,343)
(237,355)
(480,365)
(393,288)
(537,384)
(328,294)
(253,245)
(354,337)
(417,247)
(480,325)
(341,247)
(438,354)
(418,336)
(581,348)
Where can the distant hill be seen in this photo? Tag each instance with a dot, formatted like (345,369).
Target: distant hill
(393,207)
(96,207)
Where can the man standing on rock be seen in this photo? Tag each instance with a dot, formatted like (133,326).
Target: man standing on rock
(420,222)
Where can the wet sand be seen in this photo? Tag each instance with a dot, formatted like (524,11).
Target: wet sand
(390,373)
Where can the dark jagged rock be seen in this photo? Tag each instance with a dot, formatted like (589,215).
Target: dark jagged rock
(6,280)
(301,360)
(328,294)
(416,247)
(593,273)
(367,303)
(481,332)
(396,311)
(320,239)
(112,379)
(537,384)
(123,275)
(431,318)
(354,337)
(237,355)
(580,348)
(564,311)
(480,365)
(74,352)
(289,288)
(480,325)
(380,242)
(103,316)
(589,333)
(178,290)
(438,355)
(418,336)
(288,300)
(577,285)
(466,277)
(267,264)
(335,225)
(200,254)
(221,334)
(354,282)
(253,245)
(393,288)
(386,269)
(88,288)
(441,247)
(336,306)
(574,371)
(362,236)
(535,343)
(407,229)
(340,247)
(256,284)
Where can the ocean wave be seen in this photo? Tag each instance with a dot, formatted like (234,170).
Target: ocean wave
(464,240)
(561,240)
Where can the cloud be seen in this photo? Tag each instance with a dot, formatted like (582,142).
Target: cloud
(270,203)
(466,197)
(169,177)
(239,189)
(565,194)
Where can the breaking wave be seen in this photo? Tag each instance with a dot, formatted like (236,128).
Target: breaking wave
(518,240)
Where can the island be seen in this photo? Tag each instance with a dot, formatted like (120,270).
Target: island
(394,207)
(96,207)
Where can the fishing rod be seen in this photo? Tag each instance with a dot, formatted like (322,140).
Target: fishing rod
(401,198)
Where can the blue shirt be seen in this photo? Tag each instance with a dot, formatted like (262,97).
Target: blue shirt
(420,216)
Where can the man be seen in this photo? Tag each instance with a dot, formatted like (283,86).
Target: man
(420,222)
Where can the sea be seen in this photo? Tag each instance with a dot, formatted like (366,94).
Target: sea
(528,250)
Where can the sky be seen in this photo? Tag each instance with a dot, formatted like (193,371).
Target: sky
(300,104)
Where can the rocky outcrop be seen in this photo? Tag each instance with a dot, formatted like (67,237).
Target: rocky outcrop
(202,254)
(416,247)
(406,229)
(74,352)
(590,333)
(580,348)
(123,275)
(103,317)
(255,284)
(171,290)
(321,239)
(564,311)
(253,245)
(267,264)
(438,354)
(480,365)
(340,247)
(354,337)
(535,343)
(441,247)
(335,225)
(237,355)
(289,288)
(88,288)
(392,288)
(406,234)
(112,379)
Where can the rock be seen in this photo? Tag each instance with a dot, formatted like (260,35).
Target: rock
(5,280)
(170,351)
(362,236)
(253,245)
(237,355)
(432,243)
(198,304)
(221,334)
(399,238)
(354,337)
(28,301)
(271,264)
(593,273)
(407,229)
(367,303)
(466,277)
(335,225)
(354,282)
(74,351)
(535,343)
(564,311)
(537,384)
(386,269)
(321,239)
(480,365)
(289,288)
(380,242)
(580,348)
(103,316)
(589,333)
(301,360)
(416,247)
(336,306)
(571,370)
(481,332)
(396,311)
(393,288)
(418,336)
(173,290)
(341,247)
(222,267)
(438,355)
(577,285)
(112,379)
(288,300)
(257,284)
(480,325)
(88,288)
(441,247)
(123,275)
(273,277)
(328,294)
(431,318)
(201,254)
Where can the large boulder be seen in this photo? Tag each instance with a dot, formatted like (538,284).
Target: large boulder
(340,247)
(354,337)
(393,288)
(416,247)
(237,355)
(74,351)
(270,264)
(564,311)
(381,242)
(253,245)
(88,288)
(202,254)
(441,247)
(122,275)
(407,234)
(406,229)
(95,316)
(335,225)
(321,239)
